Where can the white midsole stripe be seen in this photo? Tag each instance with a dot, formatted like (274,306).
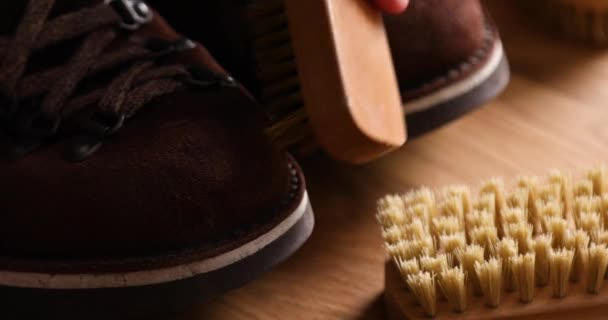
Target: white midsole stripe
(155,276)
(458,88)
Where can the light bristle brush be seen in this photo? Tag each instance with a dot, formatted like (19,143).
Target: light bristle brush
(583,20)
(542,243)
(324,66)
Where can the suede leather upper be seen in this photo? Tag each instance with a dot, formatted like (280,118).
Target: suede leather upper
(433,37)
(190,169)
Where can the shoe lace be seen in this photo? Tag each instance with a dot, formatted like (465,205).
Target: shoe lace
(89,116)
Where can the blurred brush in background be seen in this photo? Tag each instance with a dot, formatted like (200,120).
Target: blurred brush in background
(583,20)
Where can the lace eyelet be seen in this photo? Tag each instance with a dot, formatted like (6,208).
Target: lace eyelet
(82,147)
(162,48)
(97,126)
(37,125)
(103,124)
(134,13)
(206,78)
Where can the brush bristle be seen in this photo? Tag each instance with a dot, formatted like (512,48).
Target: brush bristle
(390,212)
(490,278)
(422,196)
(280,91)
(564,181)
(418,211)
(519,198)
(452,243)
(560,265)
(479,219)
(452,207)
(485,236)
(541,234)
(604,209)
(496,187)
(550,208)
(506,249)
(579,239)
(542,251)
(433,264)
(583,188)
(416,229)
(446,225)
(589,221)
(393,234)
(463,192)
(453,285)
(422,285)
(558,228)
(600,236)
(485,202)
(522,233)
(599,178)
(586,204)
(550,192)
(408,249)
(596,267)
(468,257)
(511,215)
(579,242)
(407,267)
(523,273)
(579,263)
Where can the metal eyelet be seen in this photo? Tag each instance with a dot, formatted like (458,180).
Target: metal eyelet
(102,124)
(97,127)
(134,13)
(82,146)
(161,48)
(206,78)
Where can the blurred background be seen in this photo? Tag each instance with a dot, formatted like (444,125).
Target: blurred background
(552,115)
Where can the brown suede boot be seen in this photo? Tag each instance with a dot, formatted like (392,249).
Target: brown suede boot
(448,58)
(138,175)
(447,54)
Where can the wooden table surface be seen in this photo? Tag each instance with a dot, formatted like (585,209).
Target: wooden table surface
(552,115)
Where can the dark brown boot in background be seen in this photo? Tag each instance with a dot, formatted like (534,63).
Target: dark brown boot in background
(449,60)
(136,175)
(447,54)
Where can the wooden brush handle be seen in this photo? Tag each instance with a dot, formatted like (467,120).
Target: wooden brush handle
(347,77)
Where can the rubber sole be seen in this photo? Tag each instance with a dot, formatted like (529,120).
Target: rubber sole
(142,301)
(434,110)
(149,292)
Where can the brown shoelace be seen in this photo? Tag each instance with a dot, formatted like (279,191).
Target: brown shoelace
(141,80)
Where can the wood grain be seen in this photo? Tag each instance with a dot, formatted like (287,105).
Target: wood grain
(553,114)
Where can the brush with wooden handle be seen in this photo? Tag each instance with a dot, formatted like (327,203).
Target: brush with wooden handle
(584,20)
(332,57)
(536,250)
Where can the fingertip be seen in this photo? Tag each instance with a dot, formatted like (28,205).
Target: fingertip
(392,6)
